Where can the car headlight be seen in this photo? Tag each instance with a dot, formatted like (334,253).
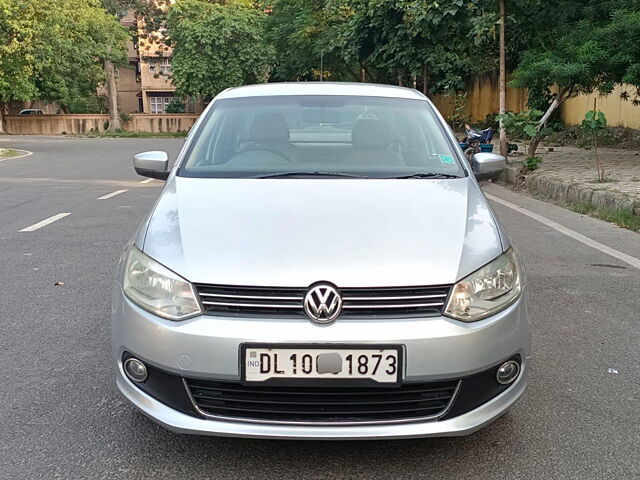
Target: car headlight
(487,290)
(157,289)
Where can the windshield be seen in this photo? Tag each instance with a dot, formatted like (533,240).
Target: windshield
(323,136)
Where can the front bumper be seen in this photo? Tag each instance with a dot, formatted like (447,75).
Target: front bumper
(435,349)
(182,423)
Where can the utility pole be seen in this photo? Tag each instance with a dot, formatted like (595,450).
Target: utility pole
(321,65)
(504,148)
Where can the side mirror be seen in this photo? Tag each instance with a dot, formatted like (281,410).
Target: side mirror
(152,164)
(488,165)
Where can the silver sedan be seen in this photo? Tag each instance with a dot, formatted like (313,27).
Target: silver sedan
(321,264)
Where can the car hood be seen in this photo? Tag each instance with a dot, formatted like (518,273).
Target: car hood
(294,232)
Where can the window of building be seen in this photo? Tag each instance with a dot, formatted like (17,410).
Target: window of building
(158,101)
(165,65)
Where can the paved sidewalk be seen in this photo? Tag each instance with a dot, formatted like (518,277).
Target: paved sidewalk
(578,166)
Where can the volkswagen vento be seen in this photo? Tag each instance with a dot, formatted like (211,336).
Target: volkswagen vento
(321,264)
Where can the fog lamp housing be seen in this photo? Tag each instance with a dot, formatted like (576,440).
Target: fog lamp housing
(507,372)
(135,369)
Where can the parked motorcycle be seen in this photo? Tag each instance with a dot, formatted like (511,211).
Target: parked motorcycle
(476,141)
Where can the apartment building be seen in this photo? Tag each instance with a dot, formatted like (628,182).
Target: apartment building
(144,86)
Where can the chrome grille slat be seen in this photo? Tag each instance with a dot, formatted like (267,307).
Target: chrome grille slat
(287,302)
(251,305)
(249,297)
(414,297)
(406,305)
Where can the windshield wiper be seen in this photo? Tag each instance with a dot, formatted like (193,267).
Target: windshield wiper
(310,174)
(427,175)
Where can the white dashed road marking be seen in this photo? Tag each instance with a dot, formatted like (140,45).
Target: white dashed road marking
(111,195)
(146,181)
(633,261)
(45,222)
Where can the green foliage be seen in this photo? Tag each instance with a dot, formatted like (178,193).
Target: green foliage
(90,103)
(532,163)
(125,117)
(521,124)
(525,125)
(594,122)
(17,31)
(395,40)
(53,49)
(217,46)
(595,48)
(459,117)
(176,106)
(132,134)
(300,32)
(392,41)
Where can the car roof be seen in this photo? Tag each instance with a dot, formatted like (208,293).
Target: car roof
(321,88)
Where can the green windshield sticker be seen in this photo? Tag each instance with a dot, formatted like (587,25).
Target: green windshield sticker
(446,159)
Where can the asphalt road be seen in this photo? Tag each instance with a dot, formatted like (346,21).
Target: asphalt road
(61,415)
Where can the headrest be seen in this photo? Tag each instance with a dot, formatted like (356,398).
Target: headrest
(370,134)
(269,127)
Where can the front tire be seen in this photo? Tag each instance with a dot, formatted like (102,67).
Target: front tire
(469,153)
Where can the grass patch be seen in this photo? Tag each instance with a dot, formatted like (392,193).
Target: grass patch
(128,134)
(623,218)
(8,153)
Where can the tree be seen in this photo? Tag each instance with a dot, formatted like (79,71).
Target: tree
(54,49)
(176,106)
(594,123)
(217,46)
(504,149)
(16,57)
(403,40)
(590,54)
(301,33)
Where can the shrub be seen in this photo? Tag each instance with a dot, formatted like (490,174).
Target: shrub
(532,163)
(176,106)
(593,125)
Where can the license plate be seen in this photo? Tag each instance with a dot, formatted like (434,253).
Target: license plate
(380,364)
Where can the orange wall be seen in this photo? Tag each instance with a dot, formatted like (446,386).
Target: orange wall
(619,112)
(482,98)
(80,124)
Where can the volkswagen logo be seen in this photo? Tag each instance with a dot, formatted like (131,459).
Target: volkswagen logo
(323,303)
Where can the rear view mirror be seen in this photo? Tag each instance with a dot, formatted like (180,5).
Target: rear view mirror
(152,164)
(488,165)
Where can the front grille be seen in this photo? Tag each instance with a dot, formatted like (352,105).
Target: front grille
(331,405)
(219,299)
(357,302)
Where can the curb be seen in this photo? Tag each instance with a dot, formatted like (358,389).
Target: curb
(569,193)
